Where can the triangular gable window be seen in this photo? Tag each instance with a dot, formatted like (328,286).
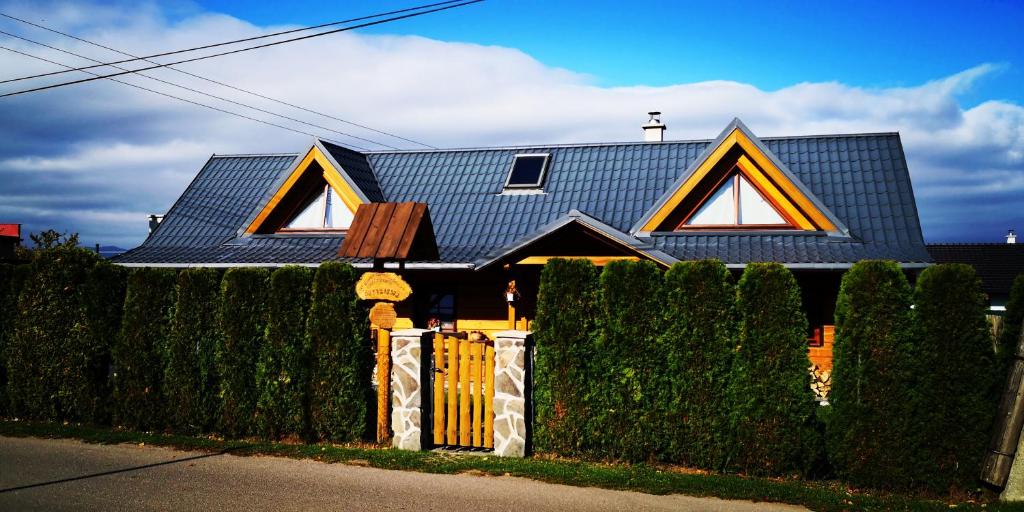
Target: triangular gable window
(735,203)
(737,187)
(314,198)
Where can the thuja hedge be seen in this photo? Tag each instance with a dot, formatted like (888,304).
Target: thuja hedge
(771,403)
(627,380)
(8,311)
(953,398)
(337,331)
(1013,320)
(564,329)
(869,426)
(698,340)
(106,286)
(138,355)
(52,358)
(282,374)
(190,374)
(243,320)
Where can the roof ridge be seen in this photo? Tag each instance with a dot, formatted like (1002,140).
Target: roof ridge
(250,155)
(617,143)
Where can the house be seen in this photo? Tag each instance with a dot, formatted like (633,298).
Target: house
(997,264)
(10,239)
(816,204)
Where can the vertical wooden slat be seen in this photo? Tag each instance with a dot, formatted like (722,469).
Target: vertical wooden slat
(511,316)
(464,393)
(476,370)
(453,390)
(439,389)
(383,384)
(489,396)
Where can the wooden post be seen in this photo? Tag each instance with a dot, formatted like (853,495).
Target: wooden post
(453,391)
(489,397)
(464,393)
(383,384)
(476,370)
(439,377)
(511,316)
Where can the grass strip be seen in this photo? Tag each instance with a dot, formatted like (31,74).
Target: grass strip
(821,496)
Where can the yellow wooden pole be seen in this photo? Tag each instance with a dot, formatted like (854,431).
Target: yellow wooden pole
(511,316)
(383,384)
(464,393)
(476,370)
(489,396)
(453,390)
(439,389)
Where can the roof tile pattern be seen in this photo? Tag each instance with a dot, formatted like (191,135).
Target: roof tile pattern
(863,179)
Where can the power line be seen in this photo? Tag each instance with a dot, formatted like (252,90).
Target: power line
(258,109)
(222,84)
(240,50)
(214,45)
(211,107)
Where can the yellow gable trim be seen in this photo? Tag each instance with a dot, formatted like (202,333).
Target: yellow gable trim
(331,175)
(768,177)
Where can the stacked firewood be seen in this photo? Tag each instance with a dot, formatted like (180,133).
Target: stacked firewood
(821,382)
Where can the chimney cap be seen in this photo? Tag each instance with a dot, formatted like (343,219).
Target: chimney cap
(1011,237)
(654,130)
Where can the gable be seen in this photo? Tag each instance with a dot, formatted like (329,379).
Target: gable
(294,205)
(738,153)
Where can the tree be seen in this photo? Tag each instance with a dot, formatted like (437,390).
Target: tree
(873,363)
(564,332)
(337,332)
(243,320)
(698,341)
(954,397)
(190,374)
(49,239)
(283,370)
(772,405)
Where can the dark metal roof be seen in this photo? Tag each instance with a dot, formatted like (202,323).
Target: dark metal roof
(861,179)
(997,264)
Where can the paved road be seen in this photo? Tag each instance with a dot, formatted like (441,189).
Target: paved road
(37,474)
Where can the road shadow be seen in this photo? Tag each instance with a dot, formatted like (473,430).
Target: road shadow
(117,471)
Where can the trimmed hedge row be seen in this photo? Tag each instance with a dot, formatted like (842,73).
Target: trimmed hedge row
(191,352)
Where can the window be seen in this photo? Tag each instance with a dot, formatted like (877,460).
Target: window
(323,210)
(736,202)
(527,171)
(441,312)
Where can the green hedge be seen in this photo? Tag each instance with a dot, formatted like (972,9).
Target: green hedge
(628,376)
(772,405)
(564,330)
(698,341)
(18,276)
(138,355)
(51,355)
(1013,321)
(190,375)
(282,373)
(106,285)
(873,366)
(243,320)
(338,336)
(8,312)
(954,398)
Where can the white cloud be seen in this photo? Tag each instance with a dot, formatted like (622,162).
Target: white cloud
(108,146)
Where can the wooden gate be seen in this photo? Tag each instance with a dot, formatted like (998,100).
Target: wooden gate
(463,392)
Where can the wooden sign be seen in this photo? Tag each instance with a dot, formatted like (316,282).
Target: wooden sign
(382,286)
(383,315)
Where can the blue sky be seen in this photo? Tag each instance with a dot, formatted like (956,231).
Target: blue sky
(768,44)
(97,158)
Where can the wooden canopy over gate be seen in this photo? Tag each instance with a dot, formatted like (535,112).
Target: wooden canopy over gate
(391,232)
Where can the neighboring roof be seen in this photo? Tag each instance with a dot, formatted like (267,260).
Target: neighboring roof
(861,179)
(997,264)
(390,231)
(10,230)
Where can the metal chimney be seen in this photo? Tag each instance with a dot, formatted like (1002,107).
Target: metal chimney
(1011,237)
(654,130)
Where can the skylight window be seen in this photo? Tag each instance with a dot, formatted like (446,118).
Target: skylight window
(528,171)
(324,210)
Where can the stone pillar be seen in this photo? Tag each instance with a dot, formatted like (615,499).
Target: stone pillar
(406,388)
(512,408)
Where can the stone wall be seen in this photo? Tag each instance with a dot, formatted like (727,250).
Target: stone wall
(511,381)
(406,391)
